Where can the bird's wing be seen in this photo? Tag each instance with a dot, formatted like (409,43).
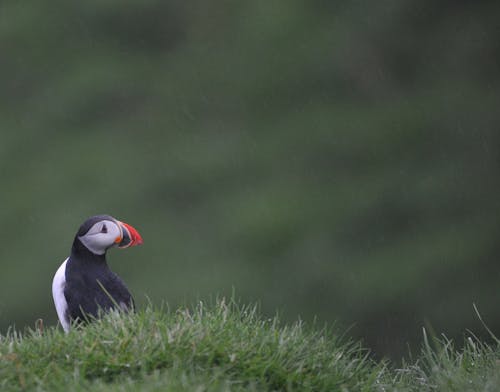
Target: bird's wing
(58,285)
(123,297)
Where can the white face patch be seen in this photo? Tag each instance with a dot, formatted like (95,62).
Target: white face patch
(101,236)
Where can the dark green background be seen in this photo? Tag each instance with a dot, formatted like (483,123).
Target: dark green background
(329,159)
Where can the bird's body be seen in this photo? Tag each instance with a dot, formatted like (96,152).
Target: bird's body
(83,285)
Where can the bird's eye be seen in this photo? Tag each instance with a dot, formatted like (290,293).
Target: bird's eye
(104,229)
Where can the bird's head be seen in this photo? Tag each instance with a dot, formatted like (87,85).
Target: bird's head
(101,232)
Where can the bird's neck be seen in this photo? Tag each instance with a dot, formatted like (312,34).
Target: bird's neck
(81,254)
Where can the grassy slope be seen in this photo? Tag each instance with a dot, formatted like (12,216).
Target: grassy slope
(225,347)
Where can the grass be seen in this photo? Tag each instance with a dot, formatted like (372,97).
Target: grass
(228,347)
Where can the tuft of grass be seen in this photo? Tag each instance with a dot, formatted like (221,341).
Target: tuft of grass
(444,367)
(226,347)
(219,347)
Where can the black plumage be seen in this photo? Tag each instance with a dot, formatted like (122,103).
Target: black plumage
(91,285)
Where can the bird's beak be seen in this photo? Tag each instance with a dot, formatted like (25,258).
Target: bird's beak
(129,237)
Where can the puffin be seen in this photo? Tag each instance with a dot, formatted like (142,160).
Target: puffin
(84,285)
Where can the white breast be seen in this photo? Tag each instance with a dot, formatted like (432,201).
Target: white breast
(58,293)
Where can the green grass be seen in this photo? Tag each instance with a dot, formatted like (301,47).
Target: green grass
(227,347)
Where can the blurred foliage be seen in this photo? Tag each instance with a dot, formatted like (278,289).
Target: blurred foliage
(327,159)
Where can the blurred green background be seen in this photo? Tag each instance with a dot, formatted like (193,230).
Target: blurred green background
(337,160)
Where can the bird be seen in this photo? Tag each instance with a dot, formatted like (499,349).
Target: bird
(84,285)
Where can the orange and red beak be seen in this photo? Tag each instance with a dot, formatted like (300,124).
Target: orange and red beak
(129,237)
